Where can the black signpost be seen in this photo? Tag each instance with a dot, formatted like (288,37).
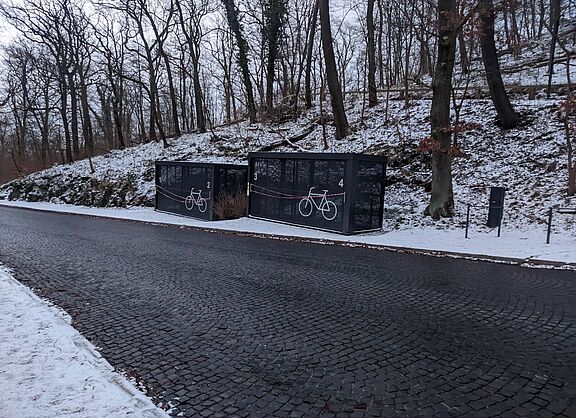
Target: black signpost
(335,192)
(496,208)
(197,189)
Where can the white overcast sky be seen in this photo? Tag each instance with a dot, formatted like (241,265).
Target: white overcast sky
(7,32)
(338,8)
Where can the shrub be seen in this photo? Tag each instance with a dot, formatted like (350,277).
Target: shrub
(230,206)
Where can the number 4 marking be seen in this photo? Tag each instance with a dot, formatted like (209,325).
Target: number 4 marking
(341,184)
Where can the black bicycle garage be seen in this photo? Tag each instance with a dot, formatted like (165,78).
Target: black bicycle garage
(201,190)
(335,192)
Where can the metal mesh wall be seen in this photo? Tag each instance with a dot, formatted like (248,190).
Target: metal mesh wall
(169,188)
(185,190)
(367,204)
(231,180)
(190,189)
(300,191)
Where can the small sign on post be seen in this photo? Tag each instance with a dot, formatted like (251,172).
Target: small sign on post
(550,213)
(467,220)
(496,208)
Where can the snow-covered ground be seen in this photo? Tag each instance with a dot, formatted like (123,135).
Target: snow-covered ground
(530,162)
(527,247)
(48,370)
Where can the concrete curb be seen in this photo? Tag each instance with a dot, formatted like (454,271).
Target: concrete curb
(524,262)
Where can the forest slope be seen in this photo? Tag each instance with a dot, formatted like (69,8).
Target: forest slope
(530,162)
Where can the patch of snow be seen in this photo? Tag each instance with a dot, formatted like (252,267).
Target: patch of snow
(47,369)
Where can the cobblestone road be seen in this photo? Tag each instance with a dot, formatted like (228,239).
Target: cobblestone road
(224,325)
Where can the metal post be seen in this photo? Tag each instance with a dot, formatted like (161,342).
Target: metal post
(467,220)
(500,221)
(549,225)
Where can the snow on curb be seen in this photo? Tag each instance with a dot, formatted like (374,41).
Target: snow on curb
(48,369)
(514,246)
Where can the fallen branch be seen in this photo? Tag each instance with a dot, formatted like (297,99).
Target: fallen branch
(290,142)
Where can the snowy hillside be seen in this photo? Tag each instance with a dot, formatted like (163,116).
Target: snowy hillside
(530,162)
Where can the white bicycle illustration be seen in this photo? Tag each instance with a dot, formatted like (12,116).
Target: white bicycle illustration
(196,199)
(327,207)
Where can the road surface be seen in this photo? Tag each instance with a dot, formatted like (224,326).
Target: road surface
(225,325)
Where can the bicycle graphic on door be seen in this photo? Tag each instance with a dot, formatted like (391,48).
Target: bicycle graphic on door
(196,199)
(327,207)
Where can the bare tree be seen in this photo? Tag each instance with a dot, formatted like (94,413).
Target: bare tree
(300,47)
(371,52)
(232,15)
(49,24)
(555,14)
(147,50)
(442,196)
(191,24)
(506,114)
(222,53)
(19,61)
(332,80)
(274,13)
(112,45)
(309,53)
(161,34)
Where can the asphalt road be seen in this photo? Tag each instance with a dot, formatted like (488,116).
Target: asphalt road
(223,325)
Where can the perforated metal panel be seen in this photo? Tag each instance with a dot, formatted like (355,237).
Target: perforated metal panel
(335,192)
(191,189)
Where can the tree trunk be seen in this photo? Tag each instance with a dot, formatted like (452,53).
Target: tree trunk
(274,15)
(152,89)
(371,47)
(570,150)
(44,149)
(389,76)
(86,123)
(555,13)
(309,51)
(118,123)
(506,114)
(141,117)
(152,119)
(24,131)
(159,122)
(64,116)
(572,180)
(331,72)
(183,89)
(463,53)
(198,99)
(194,46)
(106,111)
(227,83)
(74,115)
(515,33)
(236,28)
(117,88)
(542,19)
(380,49)
(442,197)
(172,90)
